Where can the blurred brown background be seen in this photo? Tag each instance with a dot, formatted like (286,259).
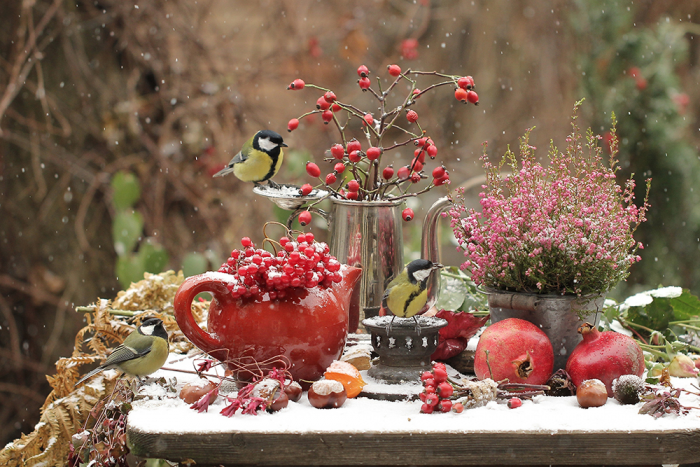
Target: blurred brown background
(164,92)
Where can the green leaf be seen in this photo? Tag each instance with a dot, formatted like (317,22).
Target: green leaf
(126,231)
(153,255)
(452,293)
(193,264)
(687,306)
(655,315)
(129,269)
(126,190)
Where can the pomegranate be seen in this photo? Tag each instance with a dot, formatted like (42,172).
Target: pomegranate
(516,350)
(604,356)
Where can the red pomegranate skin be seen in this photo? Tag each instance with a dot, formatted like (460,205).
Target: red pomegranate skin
(517,350)
(604,356)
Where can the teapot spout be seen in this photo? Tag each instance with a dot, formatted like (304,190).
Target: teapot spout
(348,294)
(430,249)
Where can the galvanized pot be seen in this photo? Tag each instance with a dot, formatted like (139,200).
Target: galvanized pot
(557,315)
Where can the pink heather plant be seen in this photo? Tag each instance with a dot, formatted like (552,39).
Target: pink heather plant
(562,229)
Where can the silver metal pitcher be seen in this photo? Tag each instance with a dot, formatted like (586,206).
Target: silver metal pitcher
(369,235)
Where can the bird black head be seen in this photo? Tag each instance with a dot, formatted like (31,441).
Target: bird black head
(268,141)
(419,269)
(153,327)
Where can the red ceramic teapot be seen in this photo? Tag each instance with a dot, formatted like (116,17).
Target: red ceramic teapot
(308,327)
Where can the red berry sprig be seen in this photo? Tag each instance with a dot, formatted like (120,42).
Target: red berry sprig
(364,166)
(299,264)
(436,390)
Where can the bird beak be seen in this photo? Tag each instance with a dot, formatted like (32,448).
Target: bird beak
(284,145)
(437,266)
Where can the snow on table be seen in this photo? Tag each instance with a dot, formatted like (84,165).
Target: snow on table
(168,414)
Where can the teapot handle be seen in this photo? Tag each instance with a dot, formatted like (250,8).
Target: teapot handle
(207,282)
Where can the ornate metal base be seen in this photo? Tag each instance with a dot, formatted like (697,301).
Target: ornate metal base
(404,346)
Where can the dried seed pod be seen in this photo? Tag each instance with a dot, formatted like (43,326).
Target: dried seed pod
(560,384)
(627,389)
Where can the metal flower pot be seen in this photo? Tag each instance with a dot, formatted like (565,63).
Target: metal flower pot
(559,316)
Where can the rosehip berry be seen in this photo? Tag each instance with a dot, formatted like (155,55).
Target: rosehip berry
(354,145)
(394,70)
(442,180)
(445,389)
(353,195)
(444,405)
(426,375)
(338,151)
(415,177)
(404,172)
(355,156)
(369,119)
(388,172)
(246,242)
(364,83)
(353,186)
(425,408)
(420,142)
(430,383)
(419,154)
(306,189)
(514,403)
(335,107)
(412,116)
(417,165)
(432,151)
(440,375)
(458,407)
(373,153)
(472,97)
(416,93)
(362,71)
(297,85)
(301,238)
(305,218)
(322,104)
(432,400)
(461,94)
(329,96)
(293,124)
(339,167)
(465,82)
(327,116)
(312,169)
(330,179)
(407,214)
(438,172)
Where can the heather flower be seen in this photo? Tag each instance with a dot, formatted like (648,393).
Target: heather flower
(566,228)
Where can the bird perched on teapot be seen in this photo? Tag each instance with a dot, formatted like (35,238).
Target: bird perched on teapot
(259,159)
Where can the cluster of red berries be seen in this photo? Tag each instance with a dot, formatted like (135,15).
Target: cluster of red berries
(371,181)
(298,264)
(437,391)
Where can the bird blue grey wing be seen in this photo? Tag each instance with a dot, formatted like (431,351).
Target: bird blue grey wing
(238,158)
(123,353)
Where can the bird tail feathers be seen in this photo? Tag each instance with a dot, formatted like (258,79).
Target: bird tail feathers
(89,375)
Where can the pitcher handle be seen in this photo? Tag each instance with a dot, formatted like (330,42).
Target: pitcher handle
(298,211)
(207,282)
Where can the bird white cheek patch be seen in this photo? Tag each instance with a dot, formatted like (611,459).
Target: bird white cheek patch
(422,274)
(266,145)
(147,330)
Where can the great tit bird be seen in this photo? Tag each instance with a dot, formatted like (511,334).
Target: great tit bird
(258,160)
(406,294)
(143,351)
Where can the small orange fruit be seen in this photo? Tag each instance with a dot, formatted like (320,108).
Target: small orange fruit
(347,375)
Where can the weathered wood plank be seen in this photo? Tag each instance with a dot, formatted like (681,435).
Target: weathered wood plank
(432,449)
